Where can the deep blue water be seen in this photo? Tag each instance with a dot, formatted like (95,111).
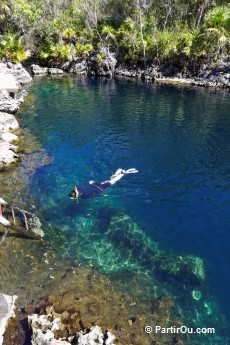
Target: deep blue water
(177,137)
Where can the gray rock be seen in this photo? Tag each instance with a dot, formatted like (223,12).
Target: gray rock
(8,122)
(17,70)
(43,330)
(8,137)
(7,155)
(44,326)
(94,64)
(7,306)
(97,64)
(7,103)
(21,75)
(55,71)
(95,337)
(37,70)
(78,66)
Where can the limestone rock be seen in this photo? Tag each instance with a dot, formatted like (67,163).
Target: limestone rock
(17,70)
(8,122)
(7,154)
(8,137)
(7,103)
(7,305)
(95,337)
(44,328)
(55,71)
(20,73)
(99,63)
(37,70)
(78,66)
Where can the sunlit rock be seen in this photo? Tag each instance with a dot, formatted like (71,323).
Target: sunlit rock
(19,72)
(9,137)
(55,71)
(7,103)
(7,154)
(8,122)
(7,306)
(45,330)
(95,337)
(37,70)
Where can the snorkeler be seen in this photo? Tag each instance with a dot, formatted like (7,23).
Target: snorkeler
(96,189)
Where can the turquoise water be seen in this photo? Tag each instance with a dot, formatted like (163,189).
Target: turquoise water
(176,206)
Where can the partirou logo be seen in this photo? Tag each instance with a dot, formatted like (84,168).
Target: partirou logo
(179,330)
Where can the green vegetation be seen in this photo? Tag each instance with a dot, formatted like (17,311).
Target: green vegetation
(138,31)
(12,48)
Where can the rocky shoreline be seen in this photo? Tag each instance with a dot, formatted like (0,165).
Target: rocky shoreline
(208,75)
(9,106)
(95,64)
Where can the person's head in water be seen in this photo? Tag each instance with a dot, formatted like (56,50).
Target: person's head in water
(74,193)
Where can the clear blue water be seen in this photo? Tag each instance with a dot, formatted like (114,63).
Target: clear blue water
(179,140)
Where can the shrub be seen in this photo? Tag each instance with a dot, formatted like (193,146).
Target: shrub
(56,52)
(83,50)
(12,48)
(129,42)
(218,17)
(209,44)
(68,34)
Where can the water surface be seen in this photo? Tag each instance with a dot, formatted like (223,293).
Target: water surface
(178,139)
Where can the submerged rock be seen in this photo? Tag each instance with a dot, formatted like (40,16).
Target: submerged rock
(72,319)
(124,245)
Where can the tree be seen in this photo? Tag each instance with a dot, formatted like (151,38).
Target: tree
(203,7)
(4,12)
(143,6)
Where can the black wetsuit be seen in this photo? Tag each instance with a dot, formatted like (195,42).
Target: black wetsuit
(92,190)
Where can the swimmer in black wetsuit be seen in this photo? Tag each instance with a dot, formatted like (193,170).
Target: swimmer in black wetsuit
(96,189)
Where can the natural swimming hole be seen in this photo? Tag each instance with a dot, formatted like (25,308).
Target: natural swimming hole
(175,210)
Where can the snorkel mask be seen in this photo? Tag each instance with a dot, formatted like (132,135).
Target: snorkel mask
(74,195)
